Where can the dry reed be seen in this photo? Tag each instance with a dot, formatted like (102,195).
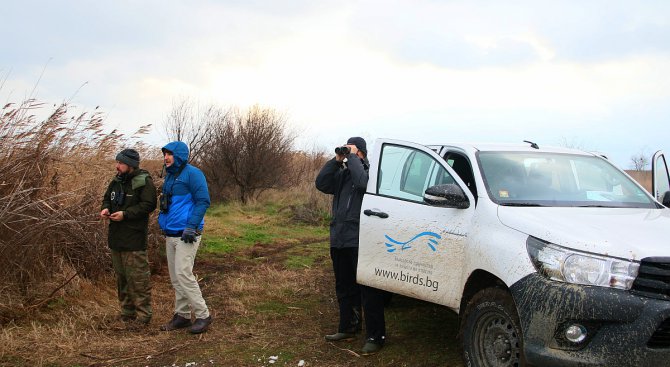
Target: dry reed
(53,172)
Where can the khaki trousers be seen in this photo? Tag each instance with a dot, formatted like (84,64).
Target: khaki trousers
(180,257)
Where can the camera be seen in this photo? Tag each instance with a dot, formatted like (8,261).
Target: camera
(343,150)
(165,200)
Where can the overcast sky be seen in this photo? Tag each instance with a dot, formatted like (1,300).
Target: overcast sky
(590,74)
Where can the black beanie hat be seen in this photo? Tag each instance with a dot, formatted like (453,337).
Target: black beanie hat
(359,143)
(129,157)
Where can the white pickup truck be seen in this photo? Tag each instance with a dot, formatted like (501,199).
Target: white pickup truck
(550,256)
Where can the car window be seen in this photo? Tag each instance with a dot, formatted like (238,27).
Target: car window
(553,179)
(661,177)
(406,173)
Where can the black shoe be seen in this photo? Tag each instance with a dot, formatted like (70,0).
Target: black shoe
(338,337)
(177,322)
(371,347)
(200,325)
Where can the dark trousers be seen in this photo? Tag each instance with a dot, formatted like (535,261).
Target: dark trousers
(373,311)
(347,290)
(351,296)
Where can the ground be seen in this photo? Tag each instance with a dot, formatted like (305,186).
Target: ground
(269,285)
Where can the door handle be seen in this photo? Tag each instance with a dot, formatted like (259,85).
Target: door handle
(369,212)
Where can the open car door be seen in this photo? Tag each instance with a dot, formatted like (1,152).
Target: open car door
(660,179)
(415,218)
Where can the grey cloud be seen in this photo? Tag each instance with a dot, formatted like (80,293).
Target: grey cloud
(440,33)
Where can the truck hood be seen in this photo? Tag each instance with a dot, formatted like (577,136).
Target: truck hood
(626,233)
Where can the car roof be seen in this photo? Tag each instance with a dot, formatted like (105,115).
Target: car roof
(511,147)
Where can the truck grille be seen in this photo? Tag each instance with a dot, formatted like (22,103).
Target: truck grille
(653,279)
(661,338)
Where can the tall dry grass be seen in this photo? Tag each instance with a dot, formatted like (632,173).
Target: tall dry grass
(300,197)
(53,172)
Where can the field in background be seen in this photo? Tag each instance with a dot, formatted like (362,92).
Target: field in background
(269,283)
(642,177)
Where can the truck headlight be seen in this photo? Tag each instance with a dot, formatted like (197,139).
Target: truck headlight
(570,266)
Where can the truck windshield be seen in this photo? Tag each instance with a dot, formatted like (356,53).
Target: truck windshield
(555,179)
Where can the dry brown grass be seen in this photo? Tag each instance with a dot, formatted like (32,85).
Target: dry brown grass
(250,314)
(53,172)
(261,304)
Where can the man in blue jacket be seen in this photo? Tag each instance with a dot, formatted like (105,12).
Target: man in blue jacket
(183,204)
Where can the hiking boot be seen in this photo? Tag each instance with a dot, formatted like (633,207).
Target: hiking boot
(337,337)
(177,322)
(201,325)
(371,347)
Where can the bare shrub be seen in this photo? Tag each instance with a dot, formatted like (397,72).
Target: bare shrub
(53,172)
(250,151)
(191,124)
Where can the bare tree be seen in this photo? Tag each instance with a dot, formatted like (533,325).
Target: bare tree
(250,150)
(639,161)
(191,124)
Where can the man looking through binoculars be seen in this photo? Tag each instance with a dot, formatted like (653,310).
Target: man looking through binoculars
(347,181)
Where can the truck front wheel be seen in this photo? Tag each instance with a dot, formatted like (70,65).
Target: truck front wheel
(491,330)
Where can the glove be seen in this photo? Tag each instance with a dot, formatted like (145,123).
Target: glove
(188,235)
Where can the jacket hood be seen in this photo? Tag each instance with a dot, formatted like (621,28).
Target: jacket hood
(179,150)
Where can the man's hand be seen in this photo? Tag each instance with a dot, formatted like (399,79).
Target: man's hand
(104,214)
(353,148)
(188,235)
(116,216)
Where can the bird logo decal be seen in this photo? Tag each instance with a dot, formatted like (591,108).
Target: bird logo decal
(431,240)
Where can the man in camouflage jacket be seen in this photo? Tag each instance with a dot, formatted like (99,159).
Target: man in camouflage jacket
(129,200)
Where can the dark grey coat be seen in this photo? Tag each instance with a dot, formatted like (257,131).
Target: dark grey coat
(347,184)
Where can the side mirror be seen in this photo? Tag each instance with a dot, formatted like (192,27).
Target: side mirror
(447,195)
(666,199)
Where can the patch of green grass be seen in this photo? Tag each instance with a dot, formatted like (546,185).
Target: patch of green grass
(234,227)
(219,211)
(272,209)
(299,262)
(306,255)
(272,306)
(253,234)
(217,245)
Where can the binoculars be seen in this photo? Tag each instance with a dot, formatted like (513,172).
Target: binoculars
(117,198)
(343,150)
(165,200)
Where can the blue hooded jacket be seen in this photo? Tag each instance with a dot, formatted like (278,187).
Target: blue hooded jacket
(189,194)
